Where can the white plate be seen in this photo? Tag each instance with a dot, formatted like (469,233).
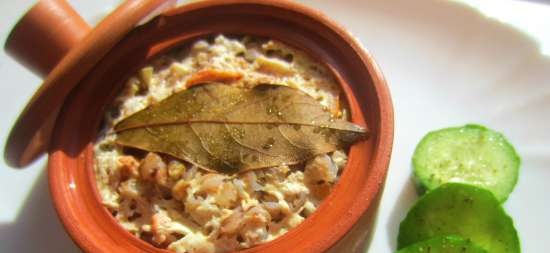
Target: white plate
(446,65)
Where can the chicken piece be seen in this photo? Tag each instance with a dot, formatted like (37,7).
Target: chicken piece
(251,182)
(233,223)
(200,209)
(211,182)
(130,189)
(256,220)
(146,75)
(179,190)
(254,236)
(227,195)
(273,66)
(257,216)
(153,168)
(161,177)
(320,168)
(160,223)
(274,210)
(227,244)
(178,70)
(193,243)
(340,159)
(128,167)
(319,173)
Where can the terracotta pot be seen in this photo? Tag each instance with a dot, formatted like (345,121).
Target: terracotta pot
(333,227)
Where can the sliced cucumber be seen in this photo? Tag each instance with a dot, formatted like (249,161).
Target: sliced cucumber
(444,244)
(463,210)
(470,154)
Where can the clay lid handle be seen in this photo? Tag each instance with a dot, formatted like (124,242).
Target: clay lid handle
(53,41)
(44,35)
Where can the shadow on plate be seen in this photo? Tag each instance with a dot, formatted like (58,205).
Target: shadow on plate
(406,198)
(37,227)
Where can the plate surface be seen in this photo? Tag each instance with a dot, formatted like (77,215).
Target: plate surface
(445,64)
(448,65)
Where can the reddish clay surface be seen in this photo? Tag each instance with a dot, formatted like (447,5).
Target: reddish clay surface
(71,158)
(66,52)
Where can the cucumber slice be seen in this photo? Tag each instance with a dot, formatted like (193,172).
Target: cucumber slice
(463,210)
(444,244)
(470,154)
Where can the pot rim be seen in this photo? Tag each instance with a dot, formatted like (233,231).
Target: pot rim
(379,158)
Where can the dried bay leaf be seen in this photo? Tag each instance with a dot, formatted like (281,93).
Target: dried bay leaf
(229,130)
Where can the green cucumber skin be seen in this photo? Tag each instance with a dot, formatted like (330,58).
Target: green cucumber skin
(504,181)
(444,244)
(463,210)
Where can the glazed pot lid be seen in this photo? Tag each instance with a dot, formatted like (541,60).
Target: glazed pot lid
(66,51)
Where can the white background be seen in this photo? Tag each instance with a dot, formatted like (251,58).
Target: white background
(446,64)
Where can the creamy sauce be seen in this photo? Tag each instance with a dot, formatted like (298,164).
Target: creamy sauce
(185,209)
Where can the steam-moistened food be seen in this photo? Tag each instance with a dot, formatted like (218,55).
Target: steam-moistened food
(222,145)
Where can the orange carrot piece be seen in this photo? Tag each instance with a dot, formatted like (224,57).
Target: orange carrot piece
(213,75)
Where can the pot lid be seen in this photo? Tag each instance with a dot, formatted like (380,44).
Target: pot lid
(54,42)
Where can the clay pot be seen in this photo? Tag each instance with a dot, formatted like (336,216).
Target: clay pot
(335,226)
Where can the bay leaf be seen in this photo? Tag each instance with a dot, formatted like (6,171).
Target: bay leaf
(225,129)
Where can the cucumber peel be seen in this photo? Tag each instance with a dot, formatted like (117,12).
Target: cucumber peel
(471,154)
(444,244)
(463,210)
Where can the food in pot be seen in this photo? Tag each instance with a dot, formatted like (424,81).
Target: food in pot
(195,175)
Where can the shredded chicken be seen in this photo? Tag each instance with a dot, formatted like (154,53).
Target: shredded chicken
(175,205)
